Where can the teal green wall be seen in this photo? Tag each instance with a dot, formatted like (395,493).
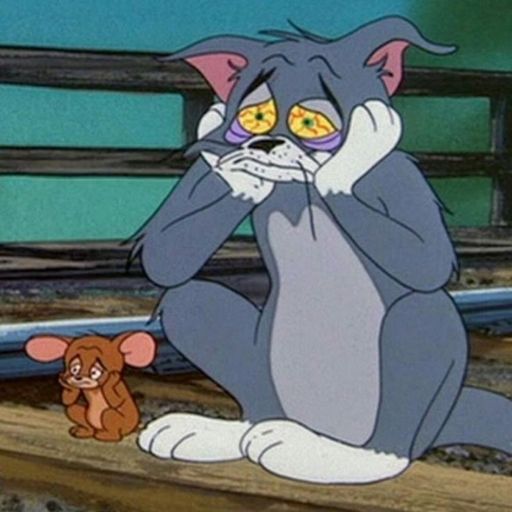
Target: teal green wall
(50,208)
(40,116)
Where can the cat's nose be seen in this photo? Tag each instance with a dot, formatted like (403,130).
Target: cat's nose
(266,145)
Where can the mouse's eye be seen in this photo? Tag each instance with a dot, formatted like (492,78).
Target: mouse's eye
(310,124)
(258,119)
(75,369)
(96,373)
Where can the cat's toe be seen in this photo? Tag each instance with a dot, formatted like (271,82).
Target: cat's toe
(268,435)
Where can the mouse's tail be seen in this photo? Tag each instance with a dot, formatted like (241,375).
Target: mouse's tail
(481,418)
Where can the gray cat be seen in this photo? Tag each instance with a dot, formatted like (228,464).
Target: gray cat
(354,366)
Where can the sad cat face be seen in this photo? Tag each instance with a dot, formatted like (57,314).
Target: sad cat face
(288,101)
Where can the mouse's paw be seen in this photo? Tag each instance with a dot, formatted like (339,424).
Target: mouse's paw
(289,449)
(193,438)
(81,432)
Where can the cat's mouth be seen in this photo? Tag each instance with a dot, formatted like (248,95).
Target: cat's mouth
(283,164)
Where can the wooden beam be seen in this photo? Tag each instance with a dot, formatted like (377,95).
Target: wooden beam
(48,458)
(91,162)
(80,69)
(501,132)
(448,165)
(195,105)
(137,71)
(171,162)
(51,260)
(455,82)
(238,257)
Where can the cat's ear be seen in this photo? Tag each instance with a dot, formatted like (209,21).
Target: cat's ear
(219,60)
(383,44)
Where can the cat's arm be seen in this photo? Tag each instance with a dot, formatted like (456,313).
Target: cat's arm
(406,235)
(190,225)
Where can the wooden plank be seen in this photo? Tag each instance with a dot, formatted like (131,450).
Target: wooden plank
(455,82)
(125,71)
(238,256)
(40,435)
(501,145)
(491,348)
(484,235)
(92,162)
(196,104)
(171,162)
(93,489)
(50,260)
(81,69)
(451,165)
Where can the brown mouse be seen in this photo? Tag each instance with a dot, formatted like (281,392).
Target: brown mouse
(93,371)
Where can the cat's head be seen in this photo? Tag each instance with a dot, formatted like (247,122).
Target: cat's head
(289,100)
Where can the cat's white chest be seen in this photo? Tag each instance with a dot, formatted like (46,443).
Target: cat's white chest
(326,328)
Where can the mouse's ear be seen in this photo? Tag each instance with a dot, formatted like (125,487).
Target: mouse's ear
(46,348)
(138,348)
(219,60)
(383,44)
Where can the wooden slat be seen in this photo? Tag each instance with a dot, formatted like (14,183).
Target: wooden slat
(54,260)
(239,255)
(455,82)
(139,72)
(169,162)
(125,71)
(39,438)
(450,165)
(491,348)
(91,162)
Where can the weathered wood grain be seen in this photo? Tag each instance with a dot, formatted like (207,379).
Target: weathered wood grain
(172,163)
(108,258)
(92,162)
(100,491)
(238,255)
(125,71)
(27,434)
(81,69)
(455,82)
(491,347)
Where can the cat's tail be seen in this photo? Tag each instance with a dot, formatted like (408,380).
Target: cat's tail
(481,418)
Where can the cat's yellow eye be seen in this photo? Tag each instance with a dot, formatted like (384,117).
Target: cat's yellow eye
(309,124)
(260,118)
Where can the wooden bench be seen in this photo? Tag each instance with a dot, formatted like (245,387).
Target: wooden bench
(142,72)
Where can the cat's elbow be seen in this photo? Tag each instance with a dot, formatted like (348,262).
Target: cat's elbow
(164,268)
(435,269)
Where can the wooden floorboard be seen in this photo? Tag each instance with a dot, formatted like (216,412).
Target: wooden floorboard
(36,452)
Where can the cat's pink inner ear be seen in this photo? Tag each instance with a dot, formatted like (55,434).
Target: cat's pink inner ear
(138,349)
(219,70)
(391,55)
(46,348)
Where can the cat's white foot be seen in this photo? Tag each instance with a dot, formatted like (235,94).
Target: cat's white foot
(193,438)
(289,449)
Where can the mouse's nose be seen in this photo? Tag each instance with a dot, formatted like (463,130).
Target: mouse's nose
(266,145)
(78,377)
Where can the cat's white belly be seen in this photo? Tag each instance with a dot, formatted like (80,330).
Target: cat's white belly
(325,332)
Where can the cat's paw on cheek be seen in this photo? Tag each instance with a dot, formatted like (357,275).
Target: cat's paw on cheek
(374,132)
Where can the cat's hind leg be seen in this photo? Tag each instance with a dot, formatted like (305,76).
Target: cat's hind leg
(215,328)
(480,418)
(423,358)
(423,363)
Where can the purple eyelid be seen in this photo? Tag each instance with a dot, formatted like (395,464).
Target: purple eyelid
(236,134)
(328,143)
